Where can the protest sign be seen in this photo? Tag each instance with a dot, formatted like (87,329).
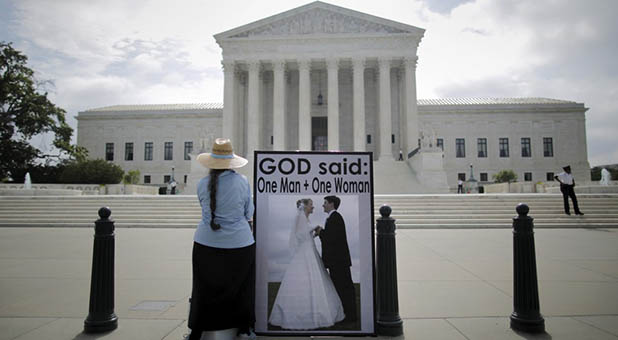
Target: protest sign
(314,243)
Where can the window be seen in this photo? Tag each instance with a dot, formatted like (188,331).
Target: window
(482,147)
(185,181)
(109,151)
(392,139)
(550,176)
(167,178)
(272,140)
(168,151)
(504,147)
(128,151)
(525,147)
(148,151)
(368,139)
(440,143)
(460,147)
(548,147)
(146,179)
(527,176)
(188,150)
(461,176)
(483,177)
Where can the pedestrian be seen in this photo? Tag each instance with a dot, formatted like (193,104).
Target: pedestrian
(567,185)
(400,155)
(223,295)
(173,186)
(460,186)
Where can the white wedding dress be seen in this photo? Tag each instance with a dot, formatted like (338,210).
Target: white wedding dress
(307,298)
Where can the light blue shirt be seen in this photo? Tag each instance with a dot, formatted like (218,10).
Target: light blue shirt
(234,210)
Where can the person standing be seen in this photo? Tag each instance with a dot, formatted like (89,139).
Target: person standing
(460,186)
(223,294)
(173,185)
(336,256)
(567,185)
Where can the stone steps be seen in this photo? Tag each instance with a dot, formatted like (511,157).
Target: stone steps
(409,211)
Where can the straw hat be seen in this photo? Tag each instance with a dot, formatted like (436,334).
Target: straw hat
(222,156)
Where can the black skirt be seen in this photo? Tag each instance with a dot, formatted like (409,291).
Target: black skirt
(223,293)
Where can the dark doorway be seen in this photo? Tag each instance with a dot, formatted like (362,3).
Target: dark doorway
(319,133)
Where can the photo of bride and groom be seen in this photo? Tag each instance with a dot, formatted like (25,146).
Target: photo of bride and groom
(316,292)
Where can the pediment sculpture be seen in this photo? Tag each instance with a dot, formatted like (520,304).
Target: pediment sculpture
(319,21)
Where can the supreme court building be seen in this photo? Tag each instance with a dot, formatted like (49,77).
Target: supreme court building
(322,77)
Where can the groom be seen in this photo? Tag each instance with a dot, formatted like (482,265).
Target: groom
(336,256)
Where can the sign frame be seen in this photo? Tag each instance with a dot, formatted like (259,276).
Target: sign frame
(368,327)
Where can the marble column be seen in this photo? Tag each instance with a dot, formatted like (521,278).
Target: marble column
(359,104)
(333,103)
(228,123)
(253,109)
(279,105)
(385,129)
(411,105)
(304,105)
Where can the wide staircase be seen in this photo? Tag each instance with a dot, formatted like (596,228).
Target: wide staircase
(409,211)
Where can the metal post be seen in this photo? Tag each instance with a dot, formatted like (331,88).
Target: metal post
(526,316)
(101,316)
(389,322)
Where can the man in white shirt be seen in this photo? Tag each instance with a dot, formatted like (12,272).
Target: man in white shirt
(460,186)
(567,183)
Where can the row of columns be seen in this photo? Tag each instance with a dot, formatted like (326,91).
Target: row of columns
(409,118)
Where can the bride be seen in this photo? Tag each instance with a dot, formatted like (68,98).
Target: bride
(307,298)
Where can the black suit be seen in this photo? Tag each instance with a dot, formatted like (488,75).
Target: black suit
(336,257)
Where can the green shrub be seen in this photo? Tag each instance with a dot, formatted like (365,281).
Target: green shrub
(92,171)
(504,176)
(39,173)
(131,177)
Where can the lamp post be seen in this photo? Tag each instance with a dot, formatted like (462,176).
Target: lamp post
(172,173)
(472,184)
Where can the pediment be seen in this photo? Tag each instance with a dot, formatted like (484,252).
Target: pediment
(318,18)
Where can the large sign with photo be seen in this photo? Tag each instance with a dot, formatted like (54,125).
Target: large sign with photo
(314,243)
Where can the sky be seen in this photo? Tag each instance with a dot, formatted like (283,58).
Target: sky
(109,52)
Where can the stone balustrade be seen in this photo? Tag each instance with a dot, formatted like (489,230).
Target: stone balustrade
(52,189)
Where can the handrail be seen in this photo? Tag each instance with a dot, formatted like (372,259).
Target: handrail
(413,152)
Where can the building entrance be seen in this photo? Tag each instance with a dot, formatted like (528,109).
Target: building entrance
(319,133)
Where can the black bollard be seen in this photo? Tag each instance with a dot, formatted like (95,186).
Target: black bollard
(389,322)
(526,316)
(101,316)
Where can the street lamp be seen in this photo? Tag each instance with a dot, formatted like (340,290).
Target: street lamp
(172,173)
(472,184)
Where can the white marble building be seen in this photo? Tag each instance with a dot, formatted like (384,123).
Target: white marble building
(322,77)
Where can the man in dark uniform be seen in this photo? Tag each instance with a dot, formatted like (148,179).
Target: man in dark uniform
(336,256)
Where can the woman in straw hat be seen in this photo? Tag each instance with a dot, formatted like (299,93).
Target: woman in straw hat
(223,248)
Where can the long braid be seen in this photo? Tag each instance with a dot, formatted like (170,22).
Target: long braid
(212,188)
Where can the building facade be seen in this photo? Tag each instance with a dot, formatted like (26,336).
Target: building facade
(322,77)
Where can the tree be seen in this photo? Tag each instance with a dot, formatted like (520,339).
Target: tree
(25,113)
(505,176)
(92,171)
(131,177)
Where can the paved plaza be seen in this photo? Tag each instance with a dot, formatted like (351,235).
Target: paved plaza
(453,284)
